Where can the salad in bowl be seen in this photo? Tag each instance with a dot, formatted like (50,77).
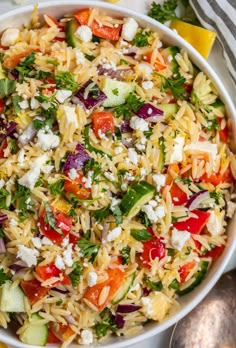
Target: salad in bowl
(116,177)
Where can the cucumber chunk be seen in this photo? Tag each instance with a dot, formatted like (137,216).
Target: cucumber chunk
(169,110)
(36,334)
(124,289)
(137,195)
(11,299)
(172,63)
(116,91)
(193,283)
(71,39)
(218,104)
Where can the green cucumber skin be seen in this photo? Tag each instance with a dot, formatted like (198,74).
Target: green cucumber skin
(35,334)
(118,297)
(198,279)
(124,89)
(12,299)
(71,40)
(138,195)
(169,110)
(172,51)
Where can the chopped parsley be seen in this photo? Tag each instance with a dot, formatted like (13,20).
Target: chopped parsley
(89,146)
(3,277)
(141,235)
(107,323)
(57,187)
(144,219)
(92,165)
(175,84)
(50,218)
(115,91)
(58,303)
(118,215)
(123,62)
(101,214)
(26,66)
(125,255)
(14,148)
(165,12)
(66,80)
(15,100)
(216,195)
(174,284)
(142,38)
(89,249)
(21,198)
(3,195)
(53,62)
(75,274)
(133,104)
(156,286)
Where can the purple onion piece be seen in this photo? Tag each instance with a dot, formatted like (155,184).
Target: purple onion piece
(3,218)
(89,95)
(70,319)
(119,321)
(148,111)
(145,292)
(2,246)
(7,129)
(127,144)
(125,127)
(13,75)
(127,308)
(77,159)
(118,74)
(18,265)
(196,199)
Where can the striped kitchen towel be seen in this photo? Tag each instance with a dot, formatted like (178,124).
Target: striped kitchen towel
(220,15)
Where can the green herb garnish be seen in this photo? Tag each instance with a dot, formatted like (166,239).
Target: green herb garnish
(175,84)
(156,286)
(125,255)
(50,218)
(66,80)
(57,187)
(89,249)
(142,38)
(3,277)
(141,235)
(165,12)
(75,274)
(132,104)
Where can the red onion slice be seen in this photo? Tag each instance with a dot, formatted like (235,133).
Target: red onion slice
(150,113)
(2,246)
(119,321)
(127,308)
(3,218)
(77,159)
(197,199)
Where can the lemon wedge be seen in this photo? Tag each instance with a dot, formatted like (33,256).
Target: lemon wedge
(201,39)
(3,345)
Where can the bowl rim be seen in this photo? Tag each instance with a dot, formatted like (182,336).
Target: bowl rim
(205,287)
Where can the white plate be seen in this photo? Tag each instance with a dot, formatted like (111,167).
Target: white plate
(188,302)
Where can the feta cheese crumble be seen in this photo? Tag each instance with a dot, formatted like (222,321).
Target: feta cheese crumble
(62,95)
(147,85)
(84,33)
(138,123)
(179,238)
(177,152)
(133,156)
(59,263)
(86,337)
(92,279)
(113,234)
(160,180)
(73,174)
(47,139)
(9,37)
(28,255)
(215,222)
(129,29)
(154,213)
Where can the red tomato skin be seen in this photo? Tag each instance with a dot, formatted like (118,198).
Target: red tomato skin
(178,196)
(3,147)
(52,338)
(103,122)
(2,106)
(193,225)
(185,270)
(33,290)
(215,252)
(62,221)
(77,187)
(152,249)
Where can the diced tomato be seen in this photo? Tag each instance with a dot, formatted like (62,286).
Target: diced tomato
(2,106)
(188,88)
(3,146)
(48,271)
(52,338)
(33,290)
(185,270)
(59,25)
(73,239)
(193,225)
(159,63)
(77,187)
(223,132)
(66,332)
(217,178)
(178,196)
(103,122)
(12,61)
(114,281)
(62,221)
(152,249)
(49,90)
(105,32)
(215,252)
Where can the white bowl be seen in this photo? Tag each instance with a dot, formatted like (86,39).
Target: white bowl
(21,15)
